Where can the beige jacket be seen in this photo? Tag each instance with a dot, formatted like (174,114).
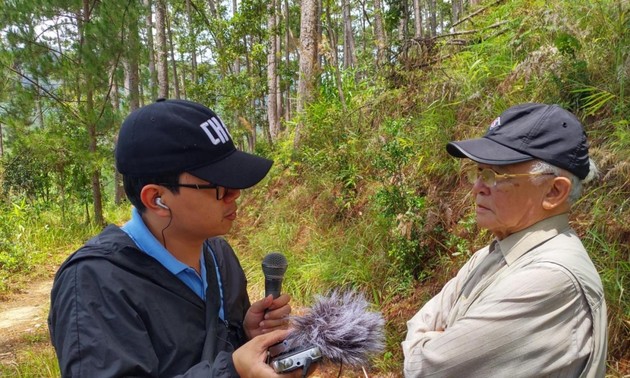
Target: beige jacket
(542,314)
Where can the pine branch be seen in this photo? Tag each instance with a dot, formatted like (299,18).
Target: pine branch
(47,92)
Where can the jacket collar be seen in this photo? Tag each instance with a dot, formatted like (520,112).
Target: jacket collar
(519,243)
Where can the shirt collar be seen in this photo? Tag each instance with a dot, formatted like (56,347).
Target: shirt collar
(144,239)
(519,243)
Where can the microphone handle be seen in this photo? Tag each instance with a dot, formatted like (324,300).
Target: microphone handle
(273,286)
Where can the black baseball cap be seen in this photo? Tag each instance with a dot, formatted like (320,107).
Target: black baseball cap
(526,132)
(176,136)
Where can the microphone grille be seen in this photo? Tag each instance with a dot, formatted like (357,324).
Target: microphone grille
(274,265)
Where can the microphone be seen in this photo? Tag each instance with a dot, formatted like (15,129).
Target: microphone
(343,328)
(274,265)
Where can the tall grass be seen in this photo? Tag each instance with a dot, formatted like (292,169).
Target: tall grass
(34,239)
(35,358)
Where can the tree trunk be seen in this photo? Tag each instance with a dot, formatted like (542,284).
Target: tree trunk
(183,73)
(349,58)
(173,60)
(132,83)
(433,17)
(251,135)
(153,77)
(402,23)
(456,10)
(91,125)
(441,14)
(272,73)
(132,72)
(193,47)
(237,61)
(417,18)
(115,99)
(279,102)
(215,15)
(334,59)
(213,8)
(287,60)
(162,48)
(379,34)
(308,60)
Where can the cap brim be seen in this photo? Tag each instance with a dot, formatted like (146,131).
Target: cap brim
(238,170)
(486,151)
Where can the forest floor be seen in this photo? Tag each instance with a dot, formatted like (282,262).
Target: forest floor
(23,318)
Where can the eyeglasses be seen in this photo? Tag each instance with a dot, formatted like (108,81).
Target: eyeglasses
(489,177)
(221,190)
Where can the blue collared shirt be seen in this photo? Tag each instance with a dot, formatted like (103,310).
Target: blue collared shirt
(144,239)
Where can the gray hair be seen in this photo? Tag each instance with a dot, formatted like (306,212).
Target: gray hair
(576,184)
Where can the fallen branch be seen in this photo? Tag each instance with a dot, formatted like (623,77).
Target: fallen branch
(464,32)
(476,12)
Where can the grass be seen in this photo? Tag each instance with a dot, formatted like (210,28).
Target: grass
(321,252)
(34,240)
(42,242)
(33,357)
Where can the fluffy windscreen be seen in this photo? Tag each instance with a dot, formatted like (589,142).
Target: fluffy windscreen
(342,326)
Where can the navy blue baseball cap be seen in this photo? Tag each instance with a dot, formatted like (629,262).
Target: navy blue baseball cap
(526,132)
(176,136)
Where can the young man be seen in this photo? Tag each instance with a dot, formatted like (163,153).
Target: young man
(162,296)
(531,303)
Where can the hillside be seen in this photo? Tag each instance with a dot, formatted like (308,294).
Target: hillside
(373,201)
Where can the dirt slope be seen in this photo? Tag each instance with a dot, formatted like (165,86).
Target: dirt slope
(23,314)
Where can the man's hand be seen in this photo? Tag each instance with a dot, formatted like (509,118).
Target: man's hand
(266,315)
(249,359)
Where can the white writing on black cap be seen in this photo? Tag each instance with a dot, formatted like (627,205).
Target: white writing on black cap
(216,130)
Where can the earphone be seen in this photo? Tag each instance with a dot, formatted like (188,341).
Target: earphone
(158,202)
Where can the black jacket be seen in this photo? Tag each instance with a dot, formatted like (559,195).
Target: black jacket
(117,312)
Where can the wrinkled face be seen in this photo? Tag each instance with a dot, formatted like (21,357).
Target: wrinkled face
(197,214)
(512,204)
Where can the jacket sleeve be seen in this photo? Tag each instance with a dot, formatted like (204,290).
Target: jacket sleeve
(430,322)
(96,331)
(223,366)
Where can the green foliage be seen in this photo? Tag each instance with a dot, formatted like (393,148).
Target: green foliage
(593,99)
(12,233)
(25,173)
(396,149)
(335,149)
(47,164)
(567,44)
(621,139)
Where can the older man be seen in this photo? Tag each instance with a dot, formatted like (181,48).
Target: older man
(531,303)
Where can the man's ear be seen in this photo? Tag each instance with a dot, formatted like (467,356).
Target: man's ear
(149,194)
(557,193)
